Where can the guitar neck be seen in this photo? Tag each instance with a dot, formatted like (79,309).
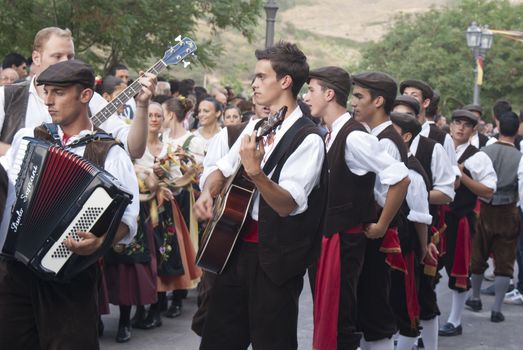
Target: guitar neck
(124,96)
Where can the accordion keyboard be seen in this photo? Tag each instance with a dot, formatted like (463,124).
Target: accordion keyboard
(87,217)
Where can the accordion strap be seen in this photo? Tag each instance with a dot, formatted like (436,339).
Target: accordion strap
(52,129)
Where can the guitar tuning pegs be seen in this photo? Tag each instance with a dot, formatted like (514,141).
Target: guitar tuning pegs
(186,63)
(178,38)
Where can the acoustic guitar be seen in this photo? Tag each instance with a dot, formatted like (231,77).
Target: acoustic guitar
(230,211)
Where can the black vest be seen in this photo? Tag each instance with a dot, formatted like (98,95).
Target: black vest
(390,133)
(15,107)
(288,245)
(464,200)
(482,140)
(351,197)
(424,155)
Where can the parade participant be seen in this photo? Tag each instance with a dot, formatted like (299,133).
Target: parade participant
(23,105)
(255,299)
(209,113)
(372,99)
(478,179)
(413,237)
(232,115)
(421,91)
(35,313)
(437,166)
(498,223)
(477,139)
(130,271)
(355,158)
(406,104)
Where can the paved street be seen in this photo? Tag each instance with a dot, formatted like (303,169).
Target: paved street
(478,332)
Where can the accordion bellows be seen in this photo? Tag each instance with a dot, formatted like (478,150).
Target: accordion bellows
(58,194)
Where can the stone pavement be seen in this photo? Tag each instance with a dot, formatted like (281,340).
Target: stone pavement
(478,332)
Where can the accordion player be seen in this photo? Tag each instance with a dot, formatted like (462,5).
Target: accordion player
(57,194)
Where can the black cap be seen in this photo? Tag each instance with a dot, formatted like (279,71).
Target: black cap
(377,81)
(408,101)
(407,122)
(418,84)
(474,108)
(334,78)
(67,73)
(465,114)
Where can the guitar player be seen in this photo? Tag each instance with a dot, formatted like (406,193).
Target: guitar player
(255,299)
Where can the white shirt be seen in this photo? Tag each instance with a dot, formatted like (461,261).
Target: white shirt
(364,154)
(418,199)
(205,142)
(300,173)
(474,140)
(387,144)
(117,164)
(217,148)
(448,146)
(37,114)
(443,175)
(480,167)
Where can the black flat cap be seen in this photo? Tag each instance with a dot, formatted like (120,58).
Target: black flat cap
(407,122)
(465,114)
(408,101)
(377,81)
(474,108)
(335,78)
(418,84)
(67,73)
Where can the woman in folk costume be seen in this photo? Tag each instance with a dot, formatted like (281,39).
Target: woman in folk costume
(175,253)
(209,113)
(130,272)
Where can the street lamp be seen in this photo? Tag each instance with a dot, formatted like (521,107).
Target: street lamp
(270,9)
(479,40)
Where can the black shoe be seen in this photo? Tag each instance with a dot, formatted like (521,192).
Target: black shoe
(173,311)
(496,317)
(420,344)
(474,304)
(449,330)
(124,334)
(101,327)
(153,320)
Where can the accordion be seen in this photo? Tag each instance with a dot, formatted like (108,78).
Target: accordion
(59,193)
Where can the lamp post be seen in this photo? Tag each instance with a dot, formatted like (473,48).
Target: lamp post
(479,40)
(270,9)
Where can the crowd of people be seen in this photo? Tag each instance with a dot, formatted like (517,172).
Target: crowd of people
(373,204)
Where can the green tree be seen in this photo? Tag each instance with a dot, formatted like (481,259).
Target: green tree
(431,46)
(130,31)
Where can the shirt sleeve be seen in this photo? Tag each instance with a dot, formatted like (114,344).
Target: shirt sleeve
(113,125)
(218,148)
(391,148)
(481,169)
(448,144)
(120,166)
(443,175)
(418,199)
(364,154)
(302,170)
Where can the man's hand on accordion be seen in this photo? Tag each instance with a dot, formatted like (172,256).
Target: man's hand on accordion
(87,246)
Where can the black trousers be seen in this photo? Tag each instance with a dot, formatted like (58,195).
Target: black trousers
(37,314)
(375,316)
(352,256)
(204,296)
(427,298)
(247,307)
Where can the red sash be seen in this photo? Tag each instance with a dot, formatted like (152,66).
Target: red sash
(460,267)
(391,247)
(327,292)
(413,308)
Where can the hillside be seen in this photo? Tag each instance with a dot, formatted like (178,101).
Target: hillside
(328,31)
